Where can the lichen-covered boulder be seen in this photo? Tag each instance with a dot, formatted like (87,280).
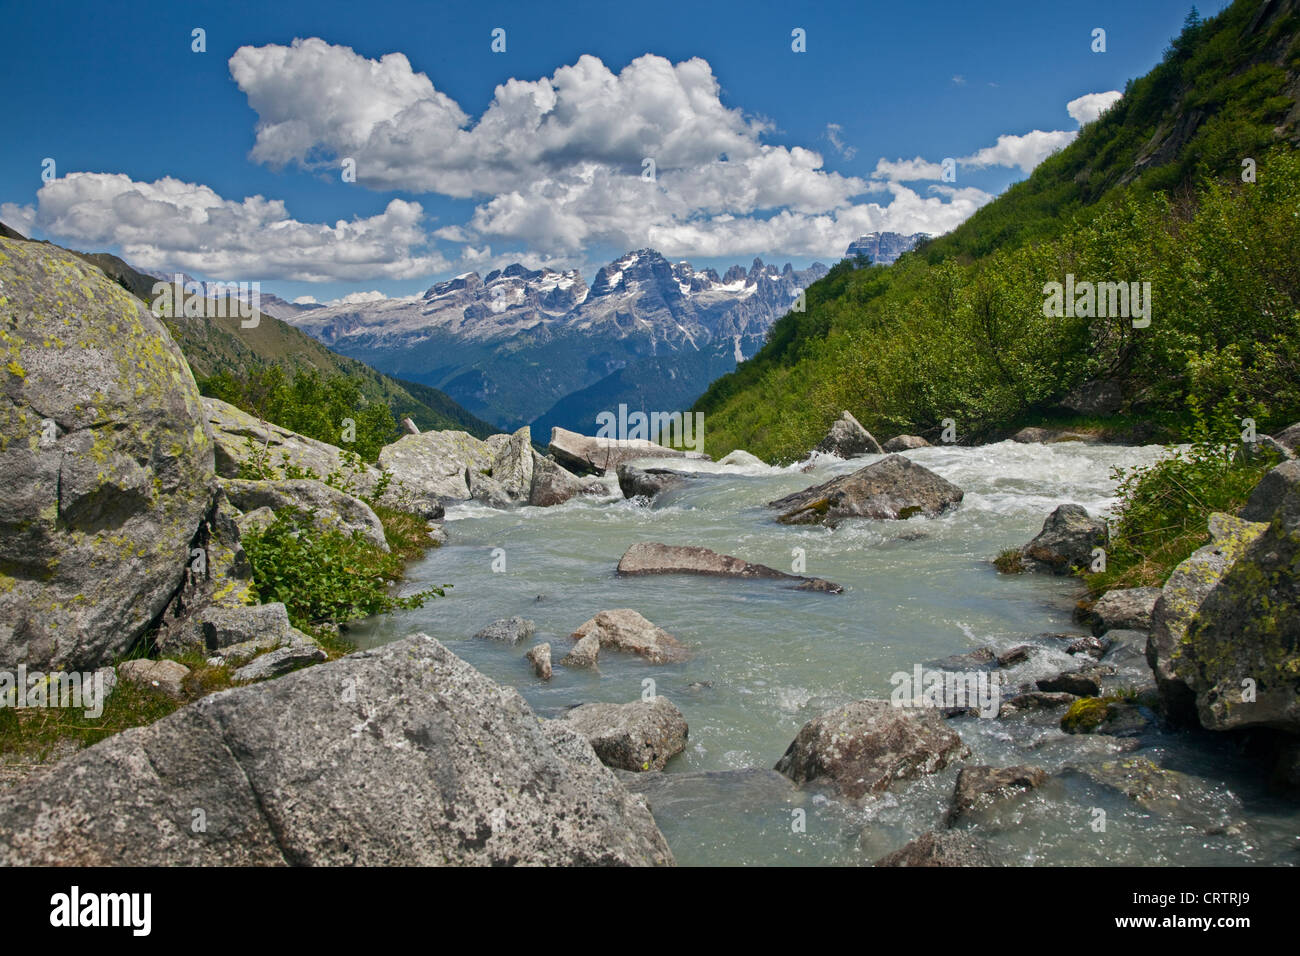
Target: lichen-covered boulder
(430,469)
(106,462)
(330,508)
(1182,596)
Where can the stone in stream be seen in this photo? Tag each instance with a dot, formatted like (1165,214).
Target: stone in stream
(1127,609)
(510,630)
(639,736)
(865,746)
(647,557)
(1066,541)
(540,657)
(584,455)
(741,459)
(892,488)
(585,653)
(848,439)
(553,485)
(1081,683)
(427,763)
(1035,700)
(626,630)
(978,787)
(942,848)
(904,443)
(106,463)
(649,482)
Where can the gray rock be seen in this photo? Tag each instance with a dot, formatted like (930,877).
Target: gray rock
(259,519)
(511,630)
(1289,438)
(979,787)
(865,746)
(540,658)
(1035,700)
(585,653)
(648,482)
(1095,398)
(848,439)
(892,488)
(430,470)
(648,557)
(554,485)
(1094,647)
(223,627)
(1042,436)
(1181,598)
(1125,608)
(1081,683)
(512,466)
(487,490)
(402,755)
(584,455)
(945,848)
(330,508)
(741,459)
(279,662)
(1066,542)
(980,659)
(164,676)
(105,463)
(904,443)
(626,630)
(1271,491)
(640,736)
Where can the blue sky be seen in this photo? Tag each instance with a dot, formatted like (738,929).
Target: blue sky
(553,175)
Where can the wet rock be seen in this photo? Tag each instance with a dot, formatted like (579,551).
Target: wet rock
(1160,790)
(865,746)
(585,653)
(164,676)
(626,630)
(585,456)
(892,488)
(1107,715)
(330,508)
(640,736)
(1271,491)
(427,763)
(980,786)
(904,443)
(1035,700)
(485,490)
(106,463)
(1081,683)
(741,459)
(1094,647)
(980,659)
(944,848)
(279,662)
(553,485)
(652,558)
(648,482)
(540,657)
(682,792)
(848,439)
(510,630)
(1066,542)
(1123,609)
(1017,655)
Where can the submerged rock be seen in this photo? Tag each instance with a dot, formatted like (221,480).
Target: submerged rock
(626,630)
(106,463)
(510,630)
(942,848)
(647,557)
(426,762)
(640,736)
(979,787)
(540,658)
(865,746)
(848,439)
(892,488)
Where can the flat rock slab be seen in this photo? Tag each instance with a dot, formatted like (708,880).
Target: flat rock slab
(647,557)
(399,756)
(892,488)
(865,746)
(509,630)
(585,455)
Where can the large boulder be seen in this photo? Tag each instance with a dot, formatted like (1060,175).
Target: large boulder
(1127,609)
(430,470)
(892,488)
(642,735)
(247,447)
(586,456)
(1289,438)
(330,508)
(648,557)
(626,630)
(865,746)
(402,755)
(648,482)
(1181,598)
(904,443)
(1273,489)
(554,485)
(105,463)
(848,439)
(1066,541)
(512,465)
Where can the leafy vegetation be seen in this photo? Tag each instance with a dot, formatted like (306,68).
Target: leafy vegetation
(1150,192)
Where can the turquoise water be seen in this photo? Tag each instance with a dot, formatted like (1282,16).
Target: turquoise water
(766,659)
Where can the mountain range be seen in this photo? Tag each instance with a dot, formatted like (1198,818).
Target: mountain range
(541,347)
(884,248)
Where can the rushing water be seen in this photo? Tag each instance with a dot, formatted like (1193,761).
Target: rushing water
(766,658)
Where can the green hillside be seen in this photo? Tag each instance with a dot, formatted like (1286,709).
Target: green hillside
(1151,192)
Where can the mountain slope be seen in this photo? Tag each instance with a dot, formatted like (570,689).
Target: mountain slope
(956,330)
